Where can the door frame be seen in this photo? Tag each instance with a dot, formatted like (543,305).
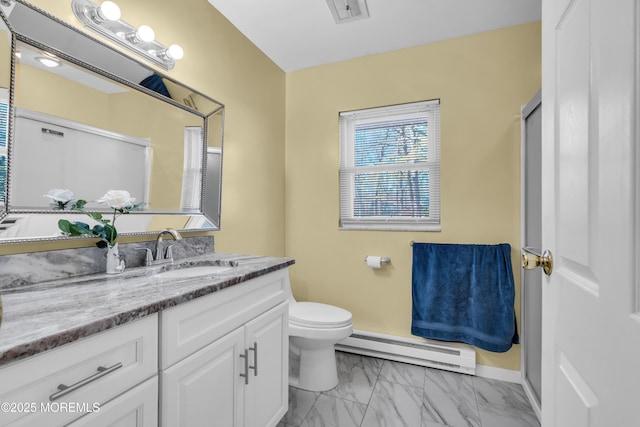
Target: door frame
(526,110)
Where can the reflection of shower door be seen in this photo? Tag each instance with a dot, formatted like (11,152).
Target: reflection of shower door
(531,291)
(57,153)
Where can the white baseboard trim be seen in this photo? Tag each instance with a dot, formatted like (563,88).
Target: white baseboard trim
(501,374)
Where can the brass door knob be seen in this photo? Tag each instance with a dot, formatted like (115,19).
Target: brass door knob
(532,258)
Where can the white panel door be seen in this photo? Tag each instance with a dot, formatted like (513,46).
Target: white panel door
(205,388)
(591,324)
(267,391)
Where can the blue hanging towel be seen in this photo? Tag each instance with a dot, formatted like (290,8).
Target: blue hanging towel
(155,83)
(464,293)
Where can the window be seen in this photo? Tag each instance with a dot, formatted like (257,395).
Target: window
(390,168)
(192,177)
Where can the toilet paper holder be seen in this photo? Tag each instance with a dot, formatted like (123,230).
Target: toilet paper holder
(383,260)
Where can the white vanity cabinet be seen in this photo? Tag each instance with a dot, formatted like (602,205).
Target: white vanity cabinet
(84,377)
(224,357)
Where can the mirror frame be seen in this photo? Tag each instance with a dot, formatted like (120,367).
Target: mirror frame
(206,221)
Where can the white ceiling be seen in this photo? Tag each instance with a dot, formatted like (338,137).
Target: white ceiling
(298,34)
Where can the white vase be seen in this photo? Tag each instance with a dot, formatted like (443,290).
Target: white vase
(114,264)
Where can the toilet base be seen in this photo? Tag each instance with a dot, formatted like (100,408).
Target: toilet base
(318,370)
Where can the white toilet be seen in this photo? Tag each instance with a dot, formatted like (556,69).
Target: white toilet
(314,329)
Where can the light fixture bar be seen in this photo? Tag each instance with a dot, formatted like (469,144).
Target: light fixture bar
(139,40)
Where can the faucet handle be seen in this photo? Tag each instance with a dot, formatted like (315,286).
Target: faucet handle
(149,256)
(169,253)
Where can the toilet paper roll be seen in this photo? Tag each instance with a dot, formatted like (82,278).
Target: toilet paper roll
(374,261)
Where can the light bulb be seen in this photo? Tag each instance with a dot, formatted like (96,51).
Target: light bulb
(175,51)
(145,33)
(48,62)
(110,10)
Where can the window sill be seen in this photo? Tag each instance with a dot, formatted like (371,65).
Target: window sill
(391,227)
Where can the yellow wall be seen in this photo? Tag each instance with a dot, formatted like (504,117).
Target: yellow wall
(220,62)
(42,91)
(482,81)
(135,114)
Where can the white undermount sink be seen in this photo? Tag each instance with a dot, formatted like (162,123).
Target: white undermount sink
(187,273)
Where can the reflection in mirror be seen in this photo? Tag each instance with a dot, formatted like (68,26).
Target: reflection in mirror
(5,80)
(94,121)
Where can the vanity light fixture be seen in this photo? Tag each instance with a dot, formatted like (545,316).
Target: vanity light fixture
(105,20)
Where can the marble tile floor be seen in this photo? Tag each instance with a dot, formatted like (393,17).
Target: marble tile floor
(381,393)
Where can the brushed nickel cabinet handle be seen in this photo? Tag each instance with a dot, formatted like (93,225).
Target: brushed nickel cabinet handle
(245,356)
(255,358)
(66,389)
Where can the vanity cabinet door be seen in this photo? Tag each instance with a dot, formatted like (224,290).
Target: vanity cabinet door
(137,407)
(205,389)
(266,394)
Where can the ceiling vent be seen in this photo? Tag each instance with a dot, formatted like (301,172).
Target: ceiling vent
(7,7)
(348,10)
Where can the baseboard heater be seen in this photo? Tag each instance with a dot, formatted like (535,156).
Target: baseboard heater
(408,350)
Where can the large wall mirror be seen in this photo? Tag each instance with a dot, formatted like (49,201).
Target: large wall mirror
(98,120)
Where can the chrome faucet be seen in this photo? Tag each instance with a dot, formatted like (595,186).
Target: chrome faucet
(167,254)
(162,257)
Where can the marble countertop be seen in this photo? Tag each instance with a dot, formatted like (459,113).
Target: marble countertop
(43,316)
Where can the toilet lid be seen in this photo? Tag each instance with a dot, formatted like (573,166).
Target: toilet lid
(316,315)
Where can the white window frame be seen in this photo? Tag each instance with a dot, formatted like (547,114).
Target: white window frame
(348,121)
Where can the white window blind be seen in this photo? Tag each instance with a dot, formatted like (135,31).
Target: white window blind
(192,177)
(390,167)
(4,125)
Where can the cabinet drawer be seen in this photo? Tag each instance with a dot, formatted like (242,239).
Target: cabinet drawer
(189,327)
(137,407)
(129,353)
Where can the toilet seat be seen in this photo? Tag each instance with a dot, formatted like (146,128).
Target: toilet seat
(317,315)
